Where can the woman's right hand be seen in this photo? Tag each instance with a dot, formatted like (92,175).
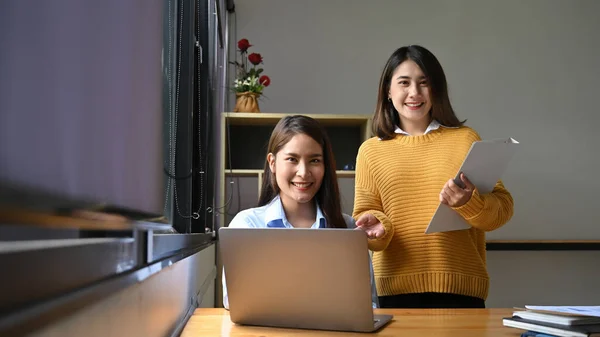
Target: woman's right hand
(371,225)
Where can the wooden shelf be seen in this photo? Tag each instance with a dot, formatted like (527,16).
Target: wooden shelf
(243,173)
(345,173)
(250,173)
(262,118)
(244,139)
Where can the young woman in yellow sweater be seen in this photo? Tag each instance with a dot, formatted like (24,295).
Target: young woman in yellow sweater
(402,175)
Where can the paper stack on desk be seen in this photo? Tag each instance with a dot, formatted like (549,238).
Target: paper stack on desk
(484,165)
(593,311)
(565,321)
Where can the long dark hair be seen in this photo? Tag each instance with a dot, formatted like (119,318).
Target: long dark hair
(386,117)
(328,196)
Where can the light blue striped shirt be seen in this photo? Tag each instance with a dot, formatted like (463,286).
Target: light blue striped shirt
(272,215)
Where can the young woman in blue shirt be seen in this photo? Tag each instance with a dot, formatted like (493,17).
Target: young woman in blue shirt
(300,187)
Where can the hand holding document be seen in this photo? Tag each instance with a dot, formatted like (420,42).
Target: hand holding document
(484,165)
(456,193)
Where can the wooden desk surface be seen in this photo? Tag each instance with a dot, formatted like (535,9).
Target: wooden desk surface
(406,322)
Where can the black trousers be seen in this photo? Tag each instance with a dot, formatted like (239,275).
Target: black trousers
(430,300)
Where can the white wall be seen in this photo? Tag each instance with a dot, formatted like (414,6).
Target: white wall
(524,69)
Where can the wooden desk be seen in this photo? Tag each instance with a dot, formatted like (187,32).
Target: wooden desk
(406,322)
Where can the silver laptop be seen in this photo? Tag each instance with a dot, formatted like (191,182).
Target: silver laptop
(299,278)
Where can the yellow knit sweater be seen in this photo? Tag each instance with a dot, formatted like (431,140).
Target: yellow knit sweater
(399,181)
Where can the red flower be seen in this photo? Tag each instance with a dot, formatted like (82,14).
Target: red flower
(264,80)
(255,58)
(243,45)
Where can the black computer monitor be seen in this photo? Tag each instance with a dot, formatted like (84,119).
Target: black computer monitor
(81,105)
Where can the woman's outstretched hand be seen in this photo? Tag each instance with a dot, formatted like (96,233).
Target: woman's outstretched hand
(372,227)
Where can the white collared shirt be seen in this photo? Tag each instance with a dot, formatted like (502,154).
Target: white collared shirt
(272,215)
(434,125)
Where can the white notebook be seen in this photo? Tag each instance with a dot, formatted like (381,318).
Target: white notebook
(557,318)
(484,165)
(585,310)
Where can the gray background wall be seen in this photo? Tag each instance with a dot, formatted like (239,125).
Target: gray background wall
(522,69)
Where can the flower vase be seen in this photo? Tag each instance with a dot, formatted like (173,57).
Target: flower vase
(246,102)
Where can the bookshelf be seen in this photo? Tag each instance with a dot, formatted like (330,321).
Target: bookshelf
(244,140)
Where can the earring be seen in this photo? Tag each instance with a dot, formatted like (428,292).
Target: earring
(389,99)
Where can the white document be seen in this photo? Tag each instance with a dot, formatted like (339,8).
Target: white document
(484,165)
(576,310)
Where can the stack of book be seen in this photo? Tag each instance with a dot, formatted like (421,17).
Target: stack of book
(546,321)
